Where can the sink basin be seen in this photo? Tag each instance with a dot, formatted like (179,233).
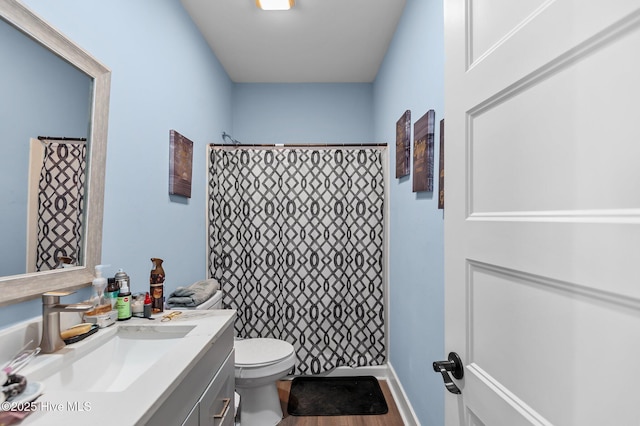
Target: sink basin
(113,361)
(138,366)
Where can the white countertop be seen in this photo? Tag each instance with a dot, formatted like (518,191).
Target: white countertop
(136,403)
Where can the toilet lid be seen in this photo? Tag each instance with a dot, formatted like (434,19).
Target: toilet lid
(261,351)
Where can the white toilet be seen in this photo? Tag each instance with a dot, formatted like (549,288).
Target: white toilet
(259,364)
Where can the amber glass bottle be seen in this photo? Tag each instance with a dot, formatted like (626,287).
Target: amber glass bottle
(156,281)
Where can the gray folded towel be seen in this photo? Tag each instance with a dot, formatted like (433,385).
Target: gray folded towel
(193,295)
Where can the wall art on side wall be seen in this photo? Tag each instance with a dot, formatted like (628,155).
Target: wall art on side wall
(423,152)
(180,164)
(441,178)
(403,144)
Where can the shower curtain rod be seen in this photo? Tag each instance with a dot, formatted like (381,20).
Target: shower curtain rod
(52,138)
(298,145)
(236,143)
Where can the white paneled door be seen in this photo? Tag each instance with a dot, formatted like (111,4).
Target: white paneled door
(542,211)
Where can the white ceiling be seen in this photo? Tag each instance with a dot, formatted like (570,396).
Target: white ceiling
(318,41)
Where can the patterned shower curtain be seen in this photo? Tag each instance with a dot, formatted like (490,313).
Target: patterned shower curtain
(296,242)
(60,204)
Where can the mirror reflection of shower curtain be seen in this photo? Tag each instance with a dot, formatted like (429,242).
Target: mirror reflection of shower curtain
(60,204)
(296,242)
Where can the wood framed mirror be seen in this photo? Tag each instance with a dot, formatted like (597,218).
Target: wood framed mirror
(15,288)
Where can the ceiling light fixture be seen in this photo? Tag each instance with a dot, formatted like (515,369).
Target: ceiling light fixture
(275,4)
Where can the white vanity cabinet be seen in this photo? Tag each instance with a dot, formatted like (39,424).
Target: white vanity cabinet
(216,406)
(206,394)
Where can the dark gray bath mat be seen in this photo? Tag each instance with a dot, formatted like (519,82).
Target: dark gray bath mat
(336,396)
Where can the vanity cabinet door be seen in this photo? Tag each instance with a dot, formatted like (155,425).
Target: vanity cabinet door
(180,403)
(193,419)
(217,402)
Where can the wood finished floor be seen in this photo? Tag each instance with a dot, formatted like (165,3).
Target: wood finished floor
(392,418)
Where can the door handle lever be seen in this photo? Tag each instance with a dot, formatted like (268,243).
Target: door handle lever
(453,365)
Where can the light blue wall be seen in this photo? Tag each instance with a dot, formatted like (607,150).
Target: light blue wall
(164,76)
(412,78)
(304,113)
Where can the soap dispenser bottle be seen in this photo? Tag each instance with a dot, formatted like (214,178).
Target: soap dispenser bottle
(123,305)
(100,304)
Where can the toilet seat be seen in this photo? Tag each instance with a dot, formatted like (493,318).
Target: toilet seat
(261,352)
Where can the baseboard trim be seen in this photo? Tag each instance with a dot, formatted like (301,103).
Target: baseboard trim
(402,401)
(378,371)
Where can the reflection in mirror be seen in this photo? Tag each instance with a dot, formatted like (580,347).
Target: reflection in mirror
(42,95)
(51,88)
(55,204)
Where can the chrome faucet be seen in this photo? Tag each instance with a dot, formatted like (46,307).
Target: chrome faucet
(51,308)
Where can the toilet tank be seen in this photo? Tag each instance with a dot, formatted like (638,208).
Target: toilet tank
(215,302)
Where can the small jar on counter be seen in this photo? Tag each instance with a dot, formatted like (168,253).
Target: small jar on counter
(137,305)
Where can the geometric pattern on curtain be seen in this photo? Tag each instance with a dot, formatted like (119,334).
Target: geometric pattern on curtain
(60,204)
(296,243)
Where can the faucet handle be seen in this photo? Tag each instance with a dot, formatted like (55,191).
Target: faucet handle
(52,297)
